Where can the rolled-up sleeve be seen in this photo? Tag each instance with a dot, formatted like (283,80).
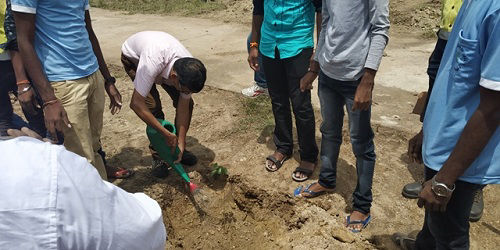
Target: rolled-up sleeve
(258,7)
(490,75)
(379,32)
(25,6)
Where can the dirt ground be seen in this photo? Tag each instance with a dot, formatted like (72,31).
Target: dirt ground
(255,209)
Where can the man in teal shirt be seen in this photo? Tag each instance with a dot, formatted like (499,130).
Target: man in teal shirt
(282,32)
(461,143)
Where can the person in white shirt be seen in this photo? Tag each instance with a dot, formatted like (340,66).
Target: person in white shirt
(154,57)
(51,198)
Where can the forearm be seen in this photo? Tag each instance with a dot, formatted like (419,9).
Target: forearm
(475,136)
(183,116)
(17,64)
(256,26)
(138,105)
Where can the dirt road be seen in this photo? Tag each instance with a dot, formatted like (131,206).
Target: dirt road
(222,47)
(253,209)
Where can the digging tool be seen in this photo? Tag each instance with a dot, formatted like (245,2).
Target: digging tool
(166,153)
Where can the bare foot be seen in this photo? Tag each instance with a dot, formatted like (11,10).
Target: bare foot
(279,156)
(316,187)
(306,165)
(357,216)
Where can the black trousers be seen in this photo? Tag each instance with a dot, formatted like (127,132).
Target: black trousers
(449,230)
(283,81)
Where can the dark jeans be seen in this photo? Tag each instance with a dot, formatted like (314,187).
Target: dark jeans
(432,69)
(333,96)
(258,76)
(8,84)
(283,81)
(449,230)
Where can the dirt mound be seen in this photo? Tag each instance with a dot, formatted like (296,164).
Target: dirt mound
(241,216)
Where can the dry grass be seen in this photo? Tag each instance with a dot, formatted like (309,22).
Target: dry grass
(177,7)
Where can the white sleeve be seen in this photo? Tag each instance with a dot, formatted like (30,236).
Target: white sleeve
(151,64)
(95,214)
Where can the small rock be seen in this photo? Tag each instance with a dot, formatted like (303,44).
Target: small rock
(342,235)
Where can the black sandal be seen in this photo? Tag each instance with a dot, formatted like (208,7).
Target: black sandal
(275,162)
(307,172)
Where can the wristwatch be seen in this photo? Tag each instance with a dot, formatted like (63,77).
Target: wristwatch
(441,189)
(110,80)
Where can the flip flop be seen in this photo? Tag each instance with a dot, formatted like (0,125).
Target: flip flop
(121,173)
(355,222)
(305,171)
(275,162)
(299,190)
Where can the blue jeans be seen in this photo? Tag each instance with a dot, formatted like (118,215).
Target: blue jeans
(333,96)
(449,230)
(7,117)
(258,76)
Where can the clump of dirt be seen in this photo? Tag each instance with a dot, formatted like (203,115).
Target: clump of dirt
(420,16)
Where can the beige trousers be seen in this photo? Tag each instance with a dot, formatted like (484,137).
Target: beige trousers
(83,100)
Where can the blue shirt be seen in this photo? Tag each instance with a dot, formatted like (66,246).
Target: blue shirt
(471,59)
(287,25)
(61,39)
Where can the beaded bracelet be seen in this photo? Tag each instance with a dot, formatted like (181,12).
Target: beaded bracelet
(22,82)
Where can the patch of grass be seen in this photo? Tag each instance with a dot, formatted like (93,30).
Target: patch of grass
(257,113)
(178,7)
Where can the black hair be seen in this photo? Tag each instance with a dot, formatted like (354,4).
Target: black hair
(191,73)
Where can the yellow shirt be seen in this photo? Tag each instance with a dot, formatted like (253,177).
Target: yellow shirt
(449,13)
(3,37)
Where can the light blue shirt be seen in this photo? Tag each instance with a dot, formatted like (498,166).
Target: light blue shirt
(471,59)
(61,39)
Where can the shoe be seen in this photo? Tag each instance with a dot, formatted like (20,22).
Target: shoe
(477,207)
(189,159)
(160,168)
(254,91)
(412,190)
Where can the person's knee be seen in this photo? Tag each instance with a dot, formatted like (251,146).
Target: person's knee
(363,148)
